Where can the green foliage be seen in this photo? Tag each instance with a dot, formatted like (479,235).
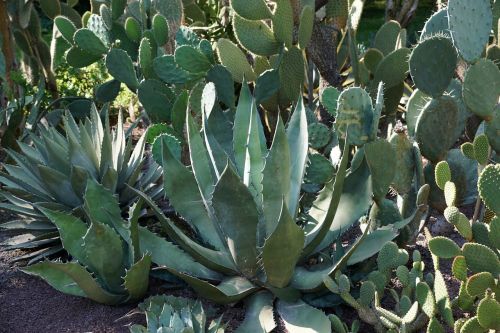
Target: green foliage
(107,266)
(176,315)
(53,174)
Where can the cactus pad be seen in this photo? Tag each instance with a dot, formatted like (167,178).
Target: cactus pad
(450,194)
(372,59)
(432,74)
(459,220)
(367,293)
(416,103)
(354,115)
(283,22)
(459,268)
(489,185)
(478,283)
(393,69)
(442,174)
(405,163)
(482,87)
(120,66)
(472,326)
(160,29)
(133,29)
(481,149)
(481,258)
(306,26)
(65,27)
(381,159)
(386,213)
(234,60)
(436,126)
(252,10)
(255,36)
(319,170)
(329,98)
(437,24)
(443,247)
(319,135)
(492,130)
(495,232)
(387,37)
(488,312)
(470,24)
(468,150)
(292,73)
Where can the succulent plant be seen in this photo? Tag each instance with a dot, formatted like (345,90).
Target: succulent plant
(176,315)
(241,200)
(476,264)
(416,306)
(53,173)
(107,264)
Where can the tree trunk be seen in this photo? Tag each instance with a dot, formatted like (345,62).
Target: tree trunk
(7,48)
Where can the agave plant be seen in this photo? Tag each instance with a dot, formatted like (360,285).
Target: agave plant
(242,201)
(175,315)
(53,172)
(107,266)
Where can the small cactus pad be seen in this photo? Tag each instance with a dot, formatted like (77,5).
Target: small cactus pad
(481,258)
(65,27)
(354,115)
(436,126)
(252,10)
(381,159)
(386,213)
(172,143)
(319,170)
(442,174)
(488,312)
(329,98)
(489,187)
(120,66)
(472,326)
(372,59)
(234,60)
(450,194)
(494,234)
(437,24)
(492,130)
(482,88)
(366,293)
(481,149)
(319,135)
(283,22)
(393,69)
(432,74)
(292,73)
(255,36)
(387,37)
(468,150)
(478,283)
(459,268)
(416,103)
(459,220)
(160,29)
(405,162)
(443,247)
(306,26)
(470,25)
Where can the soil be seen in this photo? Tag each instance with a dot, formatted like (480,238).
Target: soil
(28,304)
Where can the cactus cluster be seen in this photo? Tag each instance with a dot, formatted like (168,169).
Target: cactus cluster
(476,264)
(418,304)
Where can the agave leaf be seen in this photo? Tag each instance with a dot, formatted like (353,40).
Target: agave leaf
(230,290)
(104,255)
(17,175)
(137,278)
(216,260)
(199,160)
(118,144)
(316,236)
(102,207)
(36,256)
(71,231)
(184,195)
(58,158)
(354,203)
(259,316)
(255,159)
(133,220)
(21,204)
(215,151)
(372,244)
(96,131)
(276,178)
(242,123)
(27,225)
(164,253)
(238,218)
(78,156)
(73,279)
(282,250)
(306,280)
(298,143)
(219,127)
(20,210)
(60,185)
(41,240)
(300,317)
(88,147)
(78,178)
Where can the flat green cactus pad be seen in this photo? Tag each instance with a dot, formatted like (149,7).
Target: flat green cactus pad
(481,88)
(387,37)
(416,103)
(437,24)
(319,170)
(492,130)
(470,25)
(489,187)
(255,36)
(431,73)
(435,128)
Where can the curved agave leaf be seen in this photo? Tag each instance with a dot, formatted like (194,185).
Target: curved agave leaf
(300,317)
(136,279)
(276,178)
(164,253)
(238,218)
(73,279)
(282,250)
(230,290)
(259,315)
